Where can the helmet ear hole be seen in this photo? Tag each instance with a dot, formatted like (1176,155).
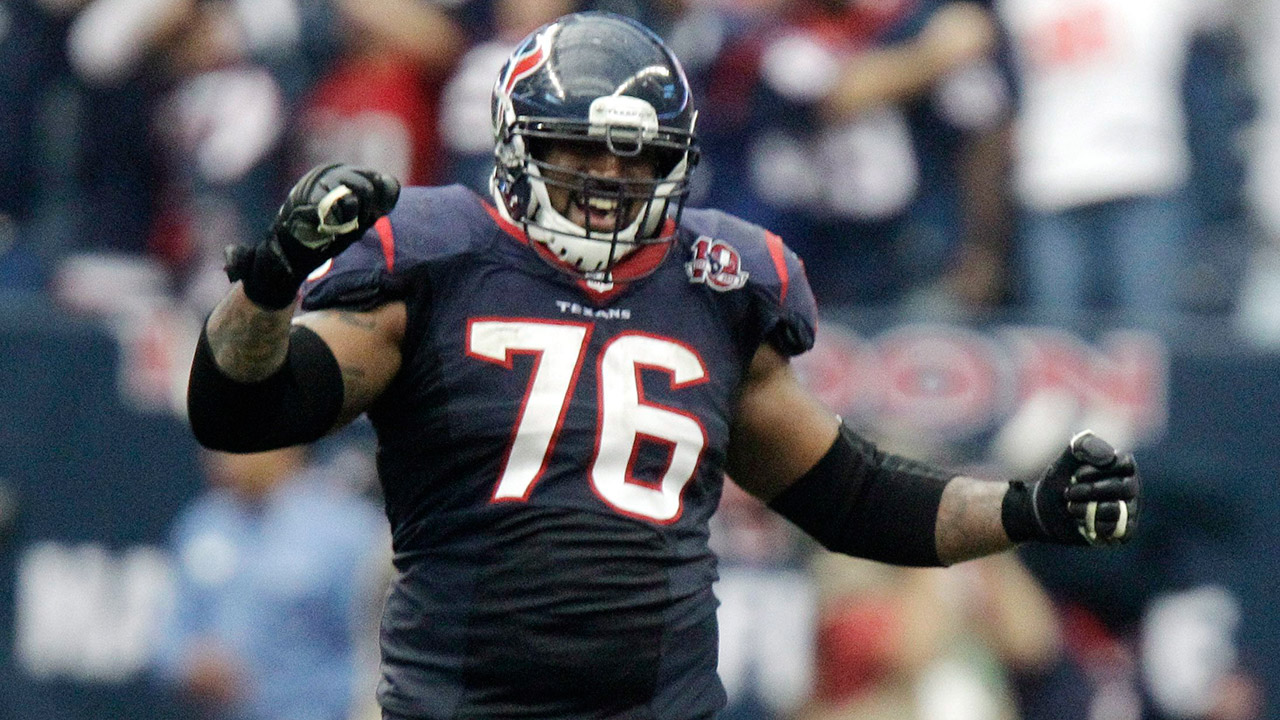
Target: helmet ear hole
(539,148)
(665,160)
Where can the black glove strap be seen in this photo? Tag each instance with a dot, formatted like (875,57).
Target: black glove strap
(1018,514)
(268,280)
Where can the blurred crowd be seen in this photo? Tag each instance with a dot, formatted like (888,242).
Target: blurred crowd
(1069,162)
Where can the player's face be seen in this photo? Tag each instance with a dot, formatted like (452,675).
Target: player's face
(574,199)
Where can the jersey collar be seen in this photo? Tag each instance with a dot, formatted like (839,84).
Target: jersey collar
(643,261)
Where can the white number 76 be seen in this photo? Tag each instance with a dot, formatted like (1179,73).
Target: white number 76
(624,415)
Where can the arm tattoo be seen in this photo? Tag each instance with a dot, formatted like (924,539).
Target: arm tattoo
(354,380)
(248,343)
(969,523)
(354,320)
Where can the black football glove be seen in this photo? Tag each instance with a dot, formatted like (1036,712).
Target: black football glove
(1088,496)
(328,209)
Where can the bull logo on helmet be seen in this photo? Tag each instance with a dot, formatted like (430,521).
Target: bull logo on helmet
(527,61)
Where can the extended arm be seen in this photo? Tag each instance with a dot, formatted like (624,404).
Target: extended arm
(794,454)
(261,380)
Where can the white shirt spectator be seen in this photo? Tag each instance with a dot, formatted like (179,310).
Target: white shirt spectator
(1101,109)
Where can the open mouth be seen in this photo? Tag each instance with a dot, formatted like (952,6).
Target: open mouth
(597,213)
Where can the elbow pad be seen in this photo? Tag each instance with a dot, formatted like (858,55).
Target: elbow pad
(297,404)
(862,502)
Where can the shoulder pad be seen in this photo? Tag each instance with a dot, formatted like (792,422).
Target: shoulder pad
(730,253)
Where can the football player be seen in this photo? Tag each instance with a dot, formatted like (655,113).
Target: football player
(560,377)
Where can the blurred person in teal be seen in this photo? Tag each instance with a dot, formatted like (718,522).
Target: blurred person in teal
(278,567)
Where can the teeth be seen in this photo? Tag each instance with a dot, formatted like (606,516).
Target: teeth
(604,204)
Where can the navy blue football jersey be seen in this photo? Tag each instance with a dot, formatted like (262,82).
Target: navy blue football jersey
(551,451)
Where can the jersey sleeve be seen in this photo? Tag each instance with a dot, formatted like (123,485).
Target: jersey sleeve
(735,255)
(361,278)
(786,312)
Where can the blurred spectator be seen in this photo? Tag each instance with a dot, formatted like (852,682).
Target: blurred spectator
(1260,299)
(264,90)
(30,39)
(225,73)
(1222,107)
(280,568)
(849,128)
(1101,163)
(74,165)
(1164,647)
(378,105)
(907,643)
(767,609)
(466,122)
(1191,661)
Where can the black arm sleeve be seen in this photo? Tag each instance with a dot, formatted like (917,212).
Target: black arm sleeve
(859,501)
(297,404)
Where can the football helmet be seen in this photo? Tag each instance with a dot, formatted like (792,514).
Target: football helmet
(593,80)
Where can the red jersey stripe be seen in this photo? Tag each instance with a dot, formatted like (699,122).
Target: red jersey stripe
(507,226)
(778,253)
(388,238)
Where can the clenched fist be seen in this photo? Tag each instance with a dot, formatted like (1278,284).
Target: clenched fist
(329,208)
(1088,496)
